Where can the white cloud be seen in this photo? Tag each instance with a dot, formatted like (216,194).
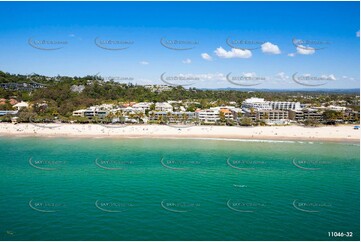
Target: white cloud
(234,53)
(187,61)
(282,76)
(270,48)
(291,54)
(329,77)
(206,56)
(144,63)
(349,78)
(303,50)
(249,74)
(358,34)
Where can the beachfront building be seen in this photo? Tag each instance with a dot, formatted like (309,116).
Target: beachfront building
(305,114)
(311,114)
(228,115)
(237,114)
(172,117)
(142,106)
(351,116)
(208,115)
(95,113)
(165,107)
(79,113)
(91,112)
(296,115)
(273,116)
(270,112)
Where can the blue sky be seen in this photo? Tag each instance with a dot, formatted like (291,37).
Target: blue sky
(326,45)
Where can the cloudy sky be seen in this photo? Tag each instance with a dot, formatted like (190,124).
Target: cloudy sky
(214,45)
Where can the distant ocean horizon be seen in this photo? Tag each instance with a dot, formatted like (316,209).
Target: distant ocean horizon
(178,189)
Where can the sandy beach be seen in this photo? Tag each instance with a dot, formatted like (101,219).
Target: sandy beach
(344,133)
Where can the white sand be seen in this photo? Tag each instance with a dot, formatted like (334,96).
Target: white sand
(326,133)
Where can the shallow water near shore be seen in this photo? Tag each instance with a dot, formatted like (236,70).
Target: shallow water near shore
(177,189)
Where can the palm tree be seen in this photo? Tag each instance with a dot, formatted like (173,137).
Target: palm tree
(169,114)
(184,118)
(151,115)
(160,119)
(141,115)
(109,116)
(132,116)
(266,116)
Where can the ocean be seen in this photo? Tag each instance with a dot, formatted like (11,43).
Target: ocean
(178,189)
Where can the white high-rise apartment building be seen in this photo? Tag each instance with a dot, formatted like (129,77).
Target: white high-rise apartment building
(256,103)
(279,105)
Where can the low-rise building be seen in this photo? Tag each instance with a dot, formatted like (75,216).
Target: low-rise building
(172,117)
(79,113)
(227,113)
(166,107)
(142,106)
(208,115)
(312,114)
(21,105)
(305,114)
(296,115)
(272,115)
(237,114)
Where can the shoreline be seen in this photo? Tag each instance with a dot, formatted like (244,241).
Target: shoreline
(341,133)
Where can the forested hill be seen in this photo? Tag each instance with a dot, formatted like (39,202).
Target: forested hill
(66,94)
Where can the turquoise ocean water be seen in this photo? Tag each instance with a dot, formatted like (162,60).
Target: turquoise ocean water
(168,189)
